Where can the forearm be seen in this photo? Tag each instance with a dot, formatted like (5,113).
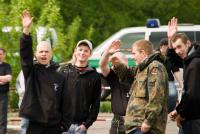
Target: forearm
(179,79)
(26,30)
(4,79)
(26,54)
(104,63)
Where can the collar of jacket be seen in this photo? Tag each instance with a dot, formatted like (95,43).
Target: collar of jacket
(52,65)
(193,52)
(88,69)
(155,56)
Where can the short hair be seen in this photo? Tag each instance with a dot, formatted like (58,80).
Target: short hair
(181,36)
(144,45)
(163,42)
(46,43)
(2,49)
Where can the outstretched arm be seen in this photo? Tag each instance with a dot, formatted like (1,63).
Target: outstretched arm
(172,29)
(103,63)
(26,50)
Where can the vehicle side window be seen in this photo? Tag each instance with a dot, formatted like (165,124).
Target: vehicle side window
(155,38)
(127,41)
(191,35)
(197,36)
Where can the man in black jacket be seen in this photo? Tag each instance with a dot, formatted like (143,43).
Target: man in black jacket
(84,84)
(5,78)
(187,113)
(119,88)
(45,94)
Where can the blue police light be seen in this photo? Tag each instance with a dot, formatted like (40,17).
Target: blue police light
(152,23)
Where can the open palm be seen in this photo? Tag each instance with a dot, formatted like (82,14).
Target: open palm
(26,19)
(172,27)
(114,47)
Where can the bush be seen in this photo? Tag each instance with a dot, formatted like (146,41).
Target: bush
(105,106)
(13,100)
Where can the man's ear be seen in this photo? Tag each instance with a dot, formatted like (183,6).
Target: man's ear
(188,43)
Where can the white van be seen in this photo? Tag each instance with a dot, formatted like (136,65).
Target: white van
(131,34)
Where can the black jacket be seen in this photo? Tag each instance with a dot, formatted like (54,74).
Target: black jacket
(190,102)
(44,95)
(85,90)
(119,92)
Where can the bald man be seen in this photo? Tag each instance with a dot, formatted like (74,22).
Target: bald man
(45,91)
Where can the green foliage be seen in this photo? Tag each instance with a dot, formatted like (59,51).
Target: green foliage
(105,106)
(13,99)
(77,19)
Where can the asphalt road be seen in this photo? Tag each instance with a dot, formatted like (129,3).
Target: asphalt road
(101,126)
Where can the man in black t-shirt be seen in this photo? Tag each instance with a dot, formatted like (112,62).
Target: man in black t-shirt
(5,78)
(119,89)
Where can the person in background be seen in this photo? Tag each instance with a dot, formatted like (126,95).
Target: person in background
(46,95)
(172,71)
(187,113)
(84,84)
(20,86)
(5,78)
(119,88)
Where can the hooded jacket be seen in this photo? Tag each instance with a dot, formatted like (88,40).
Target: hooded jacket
(45,90)
(85,89)
(190,102)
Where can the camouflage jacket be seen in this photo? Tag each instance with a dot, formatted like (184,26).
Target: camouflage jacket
(148,100)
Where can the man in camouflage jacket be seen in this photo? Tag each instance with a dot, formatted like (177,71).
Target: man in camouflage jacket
(147,108)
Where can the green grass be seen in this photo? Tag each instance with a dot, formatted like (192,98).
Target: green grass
(105,106)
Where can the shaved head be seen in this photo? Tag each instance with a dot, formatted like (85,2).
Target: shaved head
(44,52)
(44,43)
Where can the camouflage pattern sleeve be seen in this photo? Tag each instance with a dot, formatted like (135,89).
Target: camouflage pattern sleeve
(157,85)
(123,72)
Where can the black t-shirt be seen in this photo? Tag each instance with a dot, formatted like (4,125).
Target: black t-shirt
(5,69)
(119,93)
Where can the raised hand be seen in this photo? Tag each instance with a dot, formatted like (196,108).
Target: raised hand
(114,47)
(172,27)
(26,21)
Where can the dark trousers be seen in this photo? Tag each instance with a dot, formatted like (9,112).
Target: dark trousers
(117,125)
(191,126)
(35,128)
(3,112)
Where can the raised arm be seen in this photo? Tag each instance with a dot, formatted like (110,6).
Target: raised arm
(172,29)
(26,50)
(104,61)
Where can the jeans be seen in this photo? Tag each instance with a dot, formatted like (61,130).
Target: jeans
(191,126)
(180,131)
(74,129)
(24,121)
(3,112)
(117,125)
(173,96)
(138,131)
(24,125)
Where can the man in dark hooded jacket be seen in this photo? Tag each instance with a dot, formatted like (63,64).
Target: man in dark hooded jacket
(187,113)
(45,94)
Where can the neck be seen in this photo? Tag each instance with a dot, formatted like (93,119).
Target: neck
(81,64)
